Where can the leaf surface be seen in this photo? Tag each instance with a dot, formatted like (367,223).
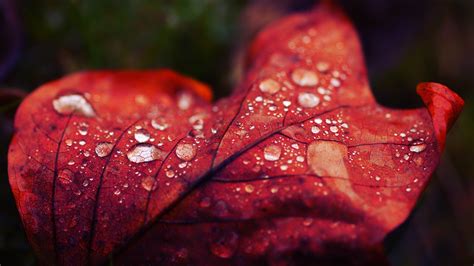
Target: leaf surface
(299,163)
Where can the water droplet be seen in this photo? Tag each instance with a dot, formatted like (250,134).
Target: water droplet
(334,129)
(269,86)
(304,77)
(249,188)
(225,246)
(82,142)
(73,103)
(335,82)
(308,100)
(142,135)
(274,190)
(185,152)
(308,221)
(300,159)
(148,183)
(315,130)
(69,142)
(169,173)
(65,176)
(286,103)
(144,152)
(322,66)
(82,129)
(117,192)
(272,153)
(160,125)
(103,149)
(184,101)
(418,147)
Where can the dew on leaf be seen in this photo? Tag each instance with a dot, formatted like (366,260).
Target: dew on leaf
(272,152)
(103,149)
(73,103)
(304,77)
(418,147)
(269,86)
(322,66)
(144,152)
(160,125)
(148,183)
(185,152)
(315,129)
(65,176)
(142,135)
(308,100)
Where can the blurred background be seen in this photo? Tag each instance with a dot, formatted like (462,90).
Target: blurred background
(404,41)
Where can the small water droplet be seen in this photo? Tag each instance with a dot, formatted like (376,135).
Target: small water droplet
(73,103)
(82,142)
(185,152)
(184,101)
(65,176)
(315,130)
(249,188)
(322,66)
(117,192)
(304,77)
(148,183)
(69,142)
(269,86)
(169,173)
(308,221)
(160,125)
(300,159)
(286,103)
(274,190)
(272,152)
(334,129)
(335,82)
(418,147)
(142,135)
(103,149)
(82,129)
(308,100)
(144,152)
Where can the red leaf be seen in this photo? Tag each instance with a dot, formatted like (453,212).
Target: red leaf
(299,163)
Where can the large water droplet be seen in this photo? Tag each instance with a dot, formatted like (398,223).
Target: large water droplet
(272,152)
(185,152)
(269,86)
(304,77)
(73,103)
(308,100)
(103,149)
(225,246)
(144,152)
(142,135)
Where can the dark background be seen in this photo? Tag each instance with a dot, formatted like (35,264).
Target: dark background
(405,42)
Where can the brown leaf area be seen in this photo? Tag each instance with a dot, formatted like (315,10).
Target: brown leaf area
(299,165)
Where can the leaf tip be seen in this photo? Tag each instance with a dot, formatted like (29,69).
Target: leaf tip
(444,106)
